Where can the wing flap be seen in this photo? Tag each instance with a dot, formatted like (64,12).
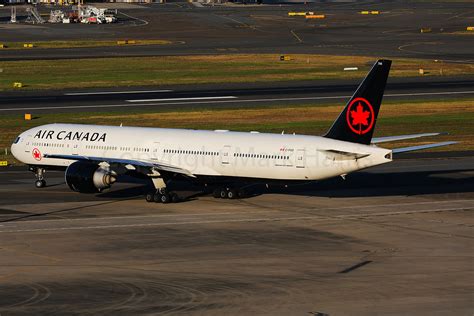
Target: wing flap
(421,147)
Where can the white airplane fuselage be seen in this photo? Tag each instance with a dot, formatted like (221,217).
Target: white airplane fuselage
(202,153)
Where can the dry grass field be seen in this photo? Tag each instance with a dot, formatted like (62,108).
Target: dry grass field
(156,71)
(80,44)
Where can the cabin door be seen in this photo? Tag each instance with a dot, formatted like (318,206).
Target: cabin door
(155,151)
(300,158)
(225,155)
(76,148)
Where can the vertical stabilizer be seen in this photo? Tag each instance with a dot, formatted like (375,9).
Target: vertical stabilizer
(356,123)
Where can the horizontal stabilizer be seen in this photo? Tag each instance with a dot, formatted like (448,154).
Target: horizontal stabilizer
(378,140)
(421,147)
(343,155)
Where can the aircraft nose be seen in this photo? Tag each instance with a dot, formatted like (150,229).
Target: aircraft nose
(14,148)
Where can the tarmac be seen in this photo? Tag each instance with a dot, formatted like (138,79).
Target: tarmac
(396,239)
(223,29)
(393,240)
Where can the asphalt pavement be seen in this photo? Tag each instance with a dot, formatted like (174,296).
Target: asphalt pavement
(393,240)
(224,29)
(211,96)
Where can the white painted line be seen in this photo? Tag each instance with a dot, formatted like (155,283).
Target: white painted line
(223,101)
(219,221)
(296,36)
(116,92)
(182,99)
(135,18)
(428,93)
(108,218)
(24,172)
(21,207)
(164,103)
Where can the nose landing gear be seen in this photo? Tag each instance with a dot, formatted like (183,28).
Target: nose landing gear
(39,173)
(40,183)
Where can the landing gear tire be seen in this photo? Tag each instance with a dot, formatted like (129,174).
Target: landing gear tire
(232,194)
(165,198)
(157,197)
(223,193)
(40,184)
(149,197)
(174,198)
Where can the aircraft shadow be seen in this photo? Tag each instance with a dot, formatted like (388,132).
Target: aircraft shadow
(365,184)
(359,184)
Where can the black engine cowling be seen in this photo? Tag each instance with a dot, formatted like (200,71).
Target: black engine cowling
(86,177)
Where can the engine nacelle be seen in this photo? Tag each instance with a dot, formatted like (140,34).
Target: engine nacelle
(86,177)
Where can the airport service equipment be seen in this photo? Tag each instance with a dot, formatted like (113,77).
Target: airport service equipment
(33,16)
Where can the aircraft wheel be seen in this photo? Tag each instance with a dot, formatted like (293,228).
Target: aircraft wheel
(40,184)
(216,193)
(223,193)
(174,198)
(232,194)
(149,197)
(165,198)
(157,197)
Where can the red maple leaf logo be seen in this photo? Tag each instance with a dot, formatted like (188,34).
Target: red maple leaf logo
(360,116)
(36,154)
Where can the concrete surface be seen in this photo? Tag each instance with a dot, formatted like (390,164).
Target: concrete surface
(395,32)
(393,240)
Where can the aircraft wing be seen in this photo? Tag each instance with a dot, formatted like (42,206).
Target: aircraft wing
(140,163)
(420,147)
(377,140)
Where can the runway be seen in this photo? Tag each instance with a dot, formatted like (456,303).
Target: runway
(222,95)
(395,239)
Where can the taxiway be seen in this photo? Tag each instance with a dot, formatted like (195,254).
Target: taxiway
(226,95)
(395,239)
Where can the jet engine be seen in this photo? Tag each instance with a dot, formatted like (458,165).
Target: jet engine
(86,177)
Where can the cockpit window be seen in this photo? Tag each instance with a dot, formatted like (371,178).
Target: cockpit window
(16,140)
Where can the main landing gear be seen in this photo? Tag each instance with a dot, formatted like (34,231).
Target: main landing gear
(227,193)
(161,193)
(39,173)
(162,196)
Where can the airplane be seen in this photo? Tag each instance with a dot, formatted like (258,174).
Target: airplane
(93,156)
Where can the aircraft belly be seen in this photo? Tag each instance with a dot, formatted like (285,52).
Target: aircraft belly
(328,168)
(276,172)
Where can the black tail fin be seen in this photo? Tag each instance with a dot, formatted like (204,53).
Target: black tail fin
(356,122)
